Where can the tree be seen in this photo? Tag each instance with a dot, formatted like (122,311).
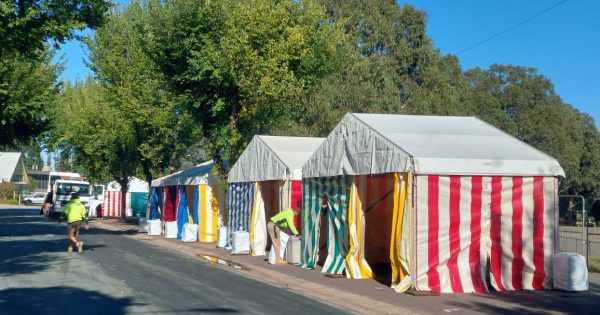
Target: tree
(102,140)
(27,25)
(242,67)
(523,103)
(27,86)
(138,90)
(7,190)
(27,77)
(394,68)
(32,155)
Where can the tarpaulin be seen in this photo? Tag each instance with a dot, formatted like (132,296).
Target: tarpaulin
(296,201)
(208,212)
(112,204)
(170,203)
(462,222)
(268,201)
(335,190)
(273,158)
(240,198)
(182,210)
(154,204)
(139,202)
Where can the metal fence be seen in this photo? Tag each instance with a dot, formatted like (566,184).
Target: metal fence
(579,229)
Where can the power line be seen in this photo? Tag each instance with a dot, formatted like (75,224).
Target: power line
(512,27)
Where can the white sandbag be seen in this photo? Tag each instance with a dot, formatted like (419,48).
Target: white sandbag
(222,237)
(271,259)
(154,227)
(570,272)
(171,229)
(292,250)
(190,232)
(240,242)
(143,226)
(283,237)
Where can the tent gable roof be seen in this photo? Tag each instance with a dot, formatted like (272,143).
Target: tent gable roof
(443,145)
(199,174)
(273,158)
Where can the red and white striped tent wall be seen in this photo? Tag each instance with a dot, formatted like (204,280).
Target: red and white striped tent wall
(112,204)
(111,207)
(273,165)
(465,199)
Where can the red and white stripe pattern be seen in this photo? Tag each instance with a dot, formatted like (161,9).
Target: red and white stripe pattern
(465,222)
(112,204)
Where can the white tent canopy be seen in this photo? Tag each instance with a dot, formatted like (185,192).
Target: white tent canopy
(378,143)
(273,158)
(199,174)
(135,185)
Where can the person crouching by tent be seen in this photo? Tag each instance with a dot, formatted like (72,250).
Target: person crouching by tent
(75,213)
(283,221)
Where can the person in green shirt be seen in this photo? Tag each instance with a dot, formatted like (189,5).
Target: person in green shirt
(284,220)
(75,213)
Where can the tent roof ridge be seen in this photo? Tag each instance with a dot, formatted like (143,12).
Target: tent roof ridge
(383,136)
(273,151)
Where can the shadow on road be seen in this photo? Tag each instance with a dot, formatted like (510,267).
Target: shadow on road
(60,300)
(28,223)
(536,302)
(25,256)
(100,231)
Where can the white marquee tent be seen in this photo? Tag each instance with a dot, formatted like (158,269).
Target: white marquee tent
(437,198)
(266,179)
(190,196)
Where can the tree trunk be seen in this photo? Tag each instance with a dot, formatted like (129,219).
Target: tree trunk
(124,182)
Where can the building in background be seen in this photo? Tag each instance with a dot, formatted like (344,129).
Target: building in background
(38,180)
(12,170)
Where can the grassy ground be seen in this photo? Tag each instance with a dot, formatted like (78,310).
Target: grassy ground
(594,264)
(10,202)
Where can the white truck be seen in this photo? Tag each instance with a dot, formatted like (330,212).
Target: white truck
(62,189)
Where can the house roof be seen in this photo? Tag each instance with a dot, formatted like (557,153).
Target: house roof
(445,145)
(9,163)
(273,158)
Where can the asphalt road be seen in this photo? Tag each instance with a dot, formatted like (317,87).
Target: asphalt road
(121,275)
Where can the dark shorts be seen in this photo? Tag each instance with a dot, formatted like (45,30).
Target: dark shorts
(73,228)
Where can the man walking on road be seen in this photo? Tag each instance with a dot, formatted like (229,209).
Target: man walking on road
(75,213)
(283,220)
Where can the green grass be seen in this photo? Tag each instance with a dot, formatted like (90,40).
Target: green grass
(10,201)
(593,264)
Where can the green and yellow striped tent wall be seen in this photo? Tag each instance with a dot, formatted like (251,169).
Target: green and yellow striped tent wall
(337,190)
(346,226)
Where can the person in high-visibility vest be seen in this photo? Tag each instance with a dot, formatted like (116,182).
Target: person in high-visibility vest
(75,213)
(284,220)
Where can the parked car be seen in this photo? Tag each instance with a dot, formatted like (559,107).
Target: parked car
(34,199)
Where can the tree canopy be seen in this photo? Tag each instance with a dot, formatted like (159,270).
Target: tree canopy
(28,79)
(173,74)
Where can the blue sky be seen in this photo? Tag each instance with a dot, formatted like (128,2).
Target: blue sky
(563,43)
